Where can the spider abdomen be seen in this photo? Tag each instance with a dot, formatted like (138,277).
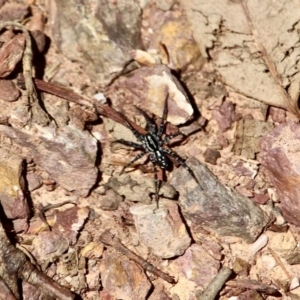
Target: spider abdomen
(161,159)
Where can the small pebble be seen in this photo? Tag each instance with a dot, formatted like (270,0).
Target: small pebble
(100,98)
(294,283)
(259,243)
(268,261)
(211,156)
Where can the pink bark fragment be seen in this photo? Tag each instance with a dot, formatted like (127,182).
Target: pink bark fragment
(280,155)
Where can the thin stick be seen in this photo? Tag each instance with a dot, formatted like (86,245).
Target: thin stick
(109,239)
(68,95)
(215,285)
(280,263)
(38,114)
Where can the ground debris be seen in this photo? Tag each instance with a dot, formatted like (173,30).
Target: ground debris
(70,221)
(138,188)
(67,154)
(248,135)
(157,82)
(253,285)
(93,62)
(198,266)
(216,206)
(123,278)
(109,239)
(280,156)
(12,185)
(161,229)
(91,38)
(10,54)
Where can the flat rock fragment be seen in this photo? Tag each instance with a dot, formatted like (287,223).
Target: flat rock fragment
(48,246)
(109,201)
(161,229)
(149,87)
(9,92)
(34,181)
(248,135)
(281,157)
(138,188)
(67,154)
(99,36)
(198,266)
(13,11)
(216,206)
(225,115)
(70,221)
(122,278)
(12,196)
(10,54)
(179,51)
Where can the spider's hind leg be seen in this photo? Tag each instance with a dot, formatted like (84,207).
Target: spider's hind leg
(157,182)
(140,155)
(182,163)
(128,143)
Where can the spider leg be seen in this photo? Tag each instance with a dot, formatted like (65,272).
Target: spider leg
(163,118)
(150,124)
(157,182)
(169,138)
(136,134)
(181,161)
(140,155)
(128,143)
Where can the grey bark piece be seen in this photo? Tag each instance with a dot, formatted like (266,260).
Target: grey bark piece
(161,229)
(280,156)
(67,154)
(216,207)
(98,35)
(254,45)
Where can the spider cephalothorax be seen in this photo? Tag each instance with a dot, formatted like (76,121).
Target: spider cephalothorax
(152,144)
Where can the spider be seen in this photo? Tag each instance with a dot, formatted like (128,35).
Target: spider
(152,144)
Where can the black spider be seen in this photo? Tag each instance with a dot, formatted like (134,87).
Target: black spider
(152,143)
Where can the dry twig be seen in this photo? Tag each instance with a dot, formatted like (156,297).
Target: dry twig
(15,265)
(280,263)
(39,116)
(109,239)
(101,109)
(215,285)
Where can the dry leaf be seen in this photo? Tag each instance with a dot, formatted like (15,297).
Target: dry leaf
(253,44)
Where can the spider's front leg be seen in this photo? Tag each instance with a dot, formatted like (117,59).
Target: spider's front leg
(139,136)
(163,118)
(150,124)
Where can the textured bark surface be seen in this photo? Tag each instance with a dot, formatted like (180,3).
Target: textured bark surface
(281,157)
